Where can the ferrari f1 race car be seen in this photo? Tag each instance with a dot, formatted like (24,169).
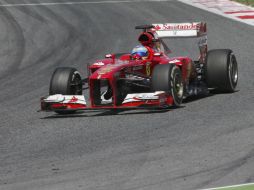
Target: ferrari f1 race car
(146,77)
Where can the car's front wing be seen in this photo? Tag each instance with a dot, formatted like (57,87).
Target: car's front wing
(158,99)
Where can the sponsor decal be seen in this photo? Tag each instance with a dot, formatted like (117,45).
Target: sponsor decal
(148,68)
(106,69)
(59,98)
(146,97)
(140,97)
(174,61)
(73,100)
(55,98)
(120,62)
(99,63)
(184,26)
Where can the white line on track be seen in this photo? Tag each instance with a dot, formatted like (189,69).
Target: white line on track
(78,2)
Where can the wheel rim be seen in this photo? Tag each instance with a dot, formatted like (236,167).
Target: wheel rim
(76,85)
(233,71)
(178,86)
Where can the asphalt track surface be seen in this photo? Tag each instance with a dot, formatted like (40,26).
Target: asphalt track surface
(206,143)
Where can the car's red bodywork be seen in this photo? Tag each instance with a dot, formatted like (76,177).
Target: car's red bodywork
(115,68)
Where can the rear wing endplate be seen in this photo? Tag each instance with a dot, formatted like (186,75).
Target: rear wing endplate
(169,30)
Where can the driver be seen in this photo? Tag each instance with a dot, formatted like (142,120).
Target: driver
(140,52)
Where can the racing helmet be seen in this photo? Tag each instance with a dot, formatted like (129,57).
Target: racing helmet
(140,52)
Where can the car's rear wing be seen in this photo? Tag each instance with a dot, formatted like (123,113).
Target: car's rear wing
(169,30)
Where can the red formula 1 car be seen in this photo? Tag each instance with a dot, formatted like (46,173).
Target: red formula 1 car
(147,77)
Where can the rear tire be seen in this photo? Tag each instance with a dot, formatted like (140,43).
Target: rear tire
(65,81)
(168,78)
(221,71)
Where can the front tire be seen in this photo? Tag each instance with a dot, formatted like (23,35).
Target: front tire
(221,70)
(168,78)
(65,81)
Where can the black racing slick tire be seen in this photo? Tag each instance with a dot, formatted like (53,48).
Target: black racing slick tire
(221,70)
(65,81)
(168,78)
